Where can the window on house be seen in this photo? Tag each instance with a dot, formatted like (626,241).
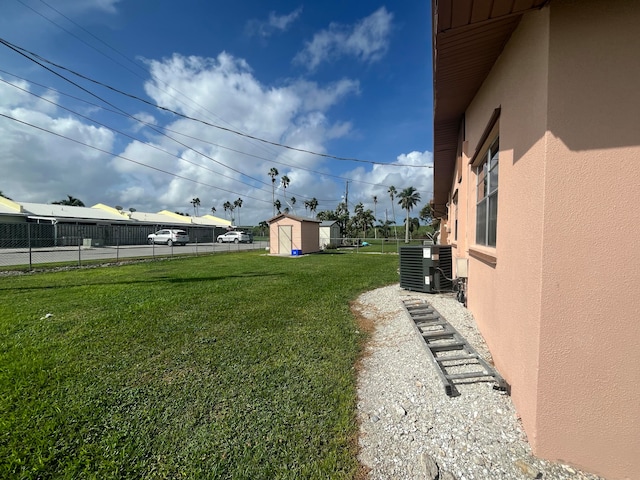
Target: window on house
(487,196)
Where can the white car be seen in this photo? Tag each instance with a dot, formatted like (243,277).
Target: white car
(168,236)
(235,237)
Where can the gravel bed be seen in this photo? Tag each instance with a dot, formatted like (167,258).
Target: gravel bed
(409,427)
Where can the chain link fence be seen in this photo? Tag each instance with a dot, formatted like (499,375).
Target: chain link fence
(23,246)
(369,245)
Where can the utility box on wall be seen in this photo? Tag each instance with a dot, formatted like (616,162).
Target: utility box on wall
(426,268)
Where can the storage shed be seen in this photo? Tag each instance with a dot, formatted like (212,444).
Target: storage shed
(293,235)
(329,233)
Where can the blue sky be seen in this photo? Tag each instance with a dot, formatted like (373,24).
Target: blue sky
(346,79)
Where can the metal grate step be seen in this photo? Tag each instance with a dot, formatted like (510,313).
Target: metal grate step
(444,344)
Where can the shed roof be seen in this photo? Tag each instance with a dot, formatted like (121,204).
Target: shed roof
(293,217)
(328,223)
(468,37)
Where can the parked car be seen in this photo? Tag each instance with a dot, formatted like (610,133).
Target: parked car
(235,236)
(169,236)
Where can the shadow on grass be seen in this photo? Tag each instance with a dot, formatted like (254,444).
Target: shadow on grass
(151,280)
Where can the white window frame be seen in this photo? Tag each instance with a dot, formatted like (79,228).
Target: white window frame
(487,195)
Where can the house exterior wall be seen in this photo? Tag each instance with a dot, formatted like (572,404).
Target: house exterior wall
(517,84)
(556,299)
(590,302)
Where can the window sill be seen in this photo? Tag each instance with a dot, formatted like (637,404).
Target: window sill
(484,254)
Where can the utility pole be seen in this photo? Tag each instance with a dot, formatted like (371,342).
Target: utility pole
(386,220)
(346,196)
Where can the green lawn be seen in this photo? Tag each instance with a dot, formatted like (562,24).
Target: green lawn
(227,366)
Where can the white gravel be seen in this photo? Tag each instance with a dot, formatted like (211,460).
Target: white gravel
(409,427)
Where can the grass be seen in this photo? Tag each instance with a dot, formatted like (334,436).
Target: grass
(228,366)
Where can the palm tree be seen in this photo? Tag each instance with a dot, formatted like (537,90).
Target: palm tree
(313,205)
(293,202)
(70,201)
(263,226)
(238,203)
(409,198)
(375,203)
(273,173)
(277,205)
(213,210)
(285,183)
(392,192)
(363,219)
(226,206)
(367,221)
(306,206)
(414,225)
(196,203)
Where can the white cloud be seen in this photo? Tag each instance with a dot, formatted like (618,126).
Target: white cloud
(367,40)
(224,91)
(145,118)
(275,23)
(43,167)
(315,97)
(18,93)
(40,167)
(375,182)
(76,6)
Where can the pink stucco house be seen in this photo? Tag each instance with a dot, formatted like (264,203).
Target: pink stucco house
(536,150)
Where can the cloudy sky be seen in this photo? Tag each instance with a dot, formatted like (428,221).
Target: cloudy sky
(330,94)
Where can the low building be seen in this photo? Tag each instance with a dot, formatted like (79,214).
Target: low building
(329,234)
(45,225)
(292,235)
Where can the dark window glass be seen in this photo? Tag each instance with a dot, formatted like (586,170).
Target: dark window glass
(487,197)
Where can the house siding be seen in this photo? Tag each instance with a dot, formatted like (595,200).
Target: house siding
(590,264)
(517,84)
(558,309)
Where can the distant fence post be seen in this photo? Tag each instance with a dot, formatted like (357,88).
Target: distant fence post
(29,242)
(79,244)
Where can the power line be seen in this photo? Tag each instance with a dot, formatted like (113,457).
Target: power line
(150,145)
(128,159)
(24,52)
(178,133)
(193,102)
(17,49)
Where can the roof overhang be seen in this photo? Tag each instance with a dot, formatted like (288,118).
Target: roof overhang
(468,37)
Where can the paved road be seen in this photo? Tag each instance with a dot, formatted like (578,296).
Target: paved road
(23,256)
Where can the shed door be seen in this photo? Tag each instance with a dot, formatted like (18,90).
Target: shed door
(284,238)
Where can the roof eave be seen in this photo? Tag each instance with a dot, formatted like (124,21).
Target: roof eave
(468,38)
